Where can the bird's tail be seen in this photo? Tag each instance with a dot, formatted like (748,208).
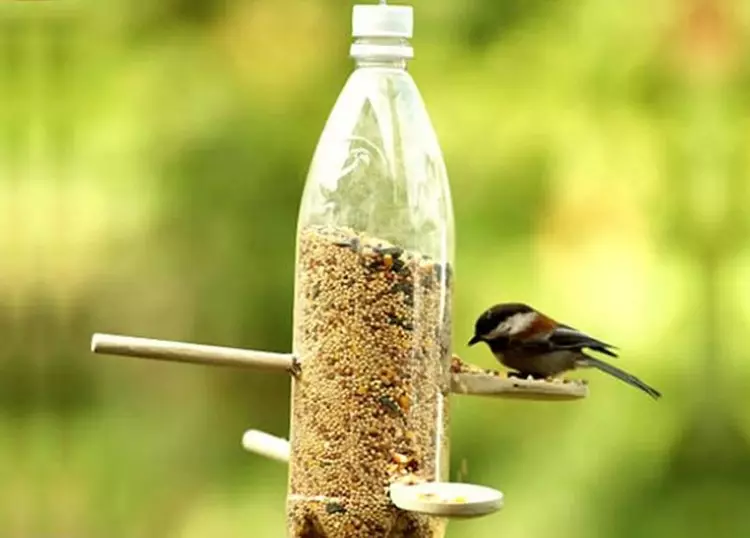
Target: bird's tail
(621,375)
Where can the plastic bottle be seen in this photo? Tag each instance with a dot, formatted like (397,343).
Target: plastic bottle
(372,315)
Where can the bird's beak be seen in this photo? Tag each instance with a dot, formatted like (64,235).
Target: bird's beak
(475,339)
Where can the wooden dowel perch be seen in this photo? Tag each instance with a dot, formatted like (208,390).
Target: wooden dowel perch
(147,348)
(445,499)
(467,379)
(266,445)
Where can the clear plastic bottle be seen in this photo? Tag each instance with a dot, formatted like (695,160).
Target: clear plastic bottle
(372,316)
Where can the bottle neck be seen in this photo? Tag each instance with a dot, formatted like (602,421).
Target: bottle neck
(388,52)
(392,63)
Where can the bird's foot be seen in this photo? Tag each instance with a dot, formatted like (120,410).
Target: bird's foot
(527,375)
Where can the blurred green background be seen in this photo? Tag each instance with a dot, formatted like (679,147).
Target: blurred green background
(152,156)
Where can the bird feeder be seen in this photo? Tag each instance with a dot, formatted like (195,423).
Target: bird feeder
(371,366)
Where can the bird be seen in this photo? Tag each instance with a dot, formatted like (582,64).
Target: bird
(533,344)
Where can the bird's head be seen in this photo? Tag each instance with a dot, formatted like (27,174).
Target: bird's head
(503,321)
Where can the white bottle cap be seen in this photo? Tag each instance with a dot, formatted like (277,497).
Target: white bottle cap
(381,20)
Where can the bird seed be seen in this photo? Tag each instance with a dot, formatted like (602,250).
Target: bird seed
(372,331)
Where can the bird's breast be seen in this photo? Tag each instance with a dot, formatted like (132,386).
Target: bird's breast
(547,364)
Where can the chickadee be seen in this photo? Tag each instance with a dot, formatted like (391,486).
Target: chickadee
(535,345)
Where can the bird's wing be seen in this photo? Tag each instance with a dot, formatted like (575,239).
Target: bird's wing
(566,337)
(544,334)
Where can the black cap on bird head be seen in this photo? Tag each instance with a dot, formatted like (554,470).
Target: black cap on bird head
(491,322)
